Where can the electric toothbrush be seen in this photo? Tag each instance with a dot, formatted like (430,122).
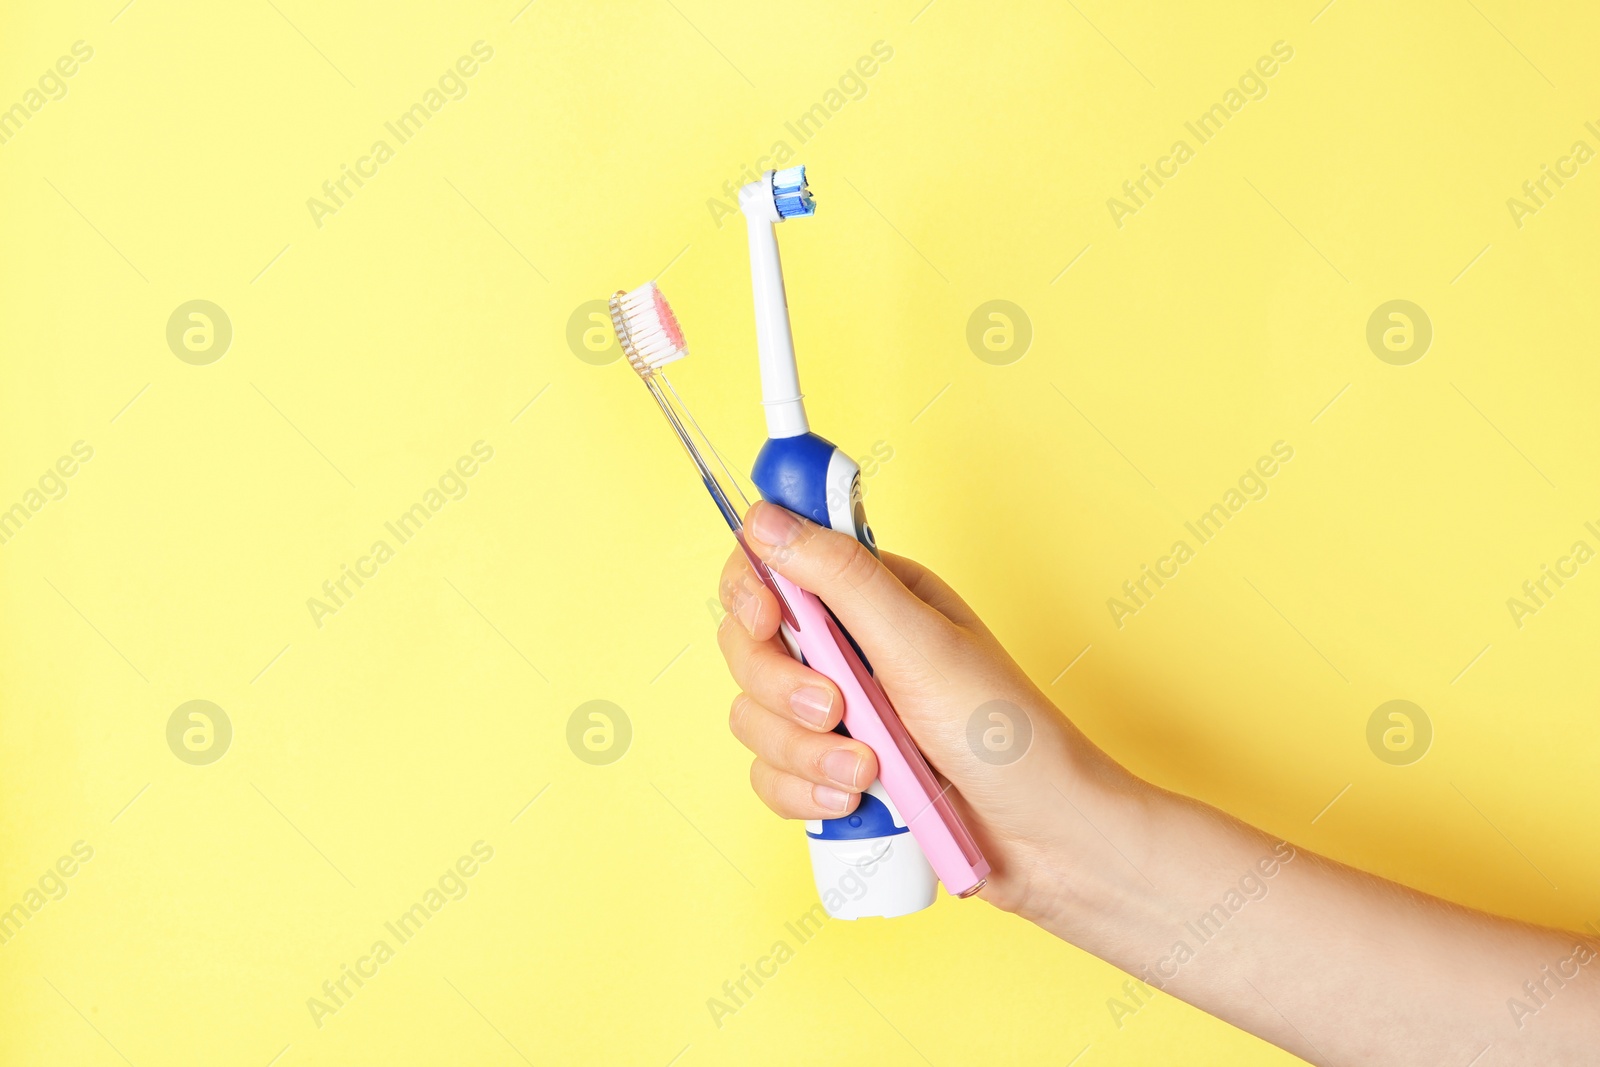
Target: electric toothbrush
(809,475)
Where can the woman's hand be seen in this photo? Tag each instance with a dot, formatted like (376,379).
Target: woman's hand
(951,681)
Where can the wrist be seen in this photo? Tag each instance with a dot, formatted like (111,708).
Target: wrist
(1095,866)
(1133,863)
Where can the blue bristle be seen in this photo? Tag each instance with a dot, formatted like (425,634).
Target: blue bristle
(790,194)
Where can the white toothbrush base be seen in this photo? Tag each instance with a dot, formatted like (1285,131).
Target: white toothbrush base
(878,877)
(883,876)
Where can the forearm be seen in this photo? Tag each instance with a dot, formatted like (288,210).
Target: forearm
(1335,965)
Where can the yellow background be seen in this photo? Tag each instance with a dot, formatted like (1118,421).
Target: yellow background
(369,353)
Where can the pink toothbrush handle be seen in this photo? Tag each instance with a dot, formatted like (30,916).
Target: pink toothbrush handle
(872,720)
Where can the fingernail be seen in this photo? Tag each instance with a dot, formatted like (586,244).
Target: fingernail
(830,799)
(812,704)
(842,766)
(774,526)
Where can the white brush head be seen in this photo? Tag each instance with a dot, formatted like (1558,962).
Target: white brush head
(647,329)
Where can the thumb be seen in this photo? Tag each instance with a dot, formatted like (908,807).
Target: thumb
(901,635)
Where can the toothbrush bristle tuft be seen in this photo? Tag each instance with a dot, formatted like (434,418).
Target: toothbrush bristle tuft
(791,195)
(647,329)
(669,321)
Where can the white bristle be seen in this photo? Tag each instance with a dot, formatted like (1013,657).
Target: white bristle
(647,330)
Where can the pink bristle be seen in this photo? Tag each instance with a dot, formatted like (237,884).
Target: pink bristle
(669,321)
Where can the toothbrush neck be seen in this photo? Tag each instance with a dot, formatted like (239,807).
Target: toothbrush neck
(780,380)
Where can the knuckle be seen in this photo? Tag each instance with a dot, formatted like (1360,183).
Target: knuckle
(860,566)
(758,670)
(795,751)
(738,714)
(768,784)
(850,564)
(785,808)
(728,640)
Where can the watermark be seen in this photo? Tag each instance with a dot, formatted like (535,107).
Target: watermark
(51,885)
(851,85)
(337,592)
(1399,332)
(1539,990)
(52,485)
(1537,192)
(199,732)
(51,86)
(1540,590)
(1139,591)
(999,733)
(1252,85)
(199,332)
(1399,733)
(1250,888)
(867,467)
(590,335)
(599,732)
(337,992)
(874,461)
(737,992)
(338,191)
(999,332)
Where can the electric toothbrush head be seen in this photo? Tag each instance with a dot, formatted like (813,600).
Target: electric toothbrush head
(791,197)
(778,195)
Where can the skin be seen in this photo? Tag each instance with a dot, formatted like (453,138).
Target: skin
(1335,965)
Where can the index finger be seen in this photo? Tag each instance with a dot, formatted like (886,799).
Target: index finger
(746,597)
